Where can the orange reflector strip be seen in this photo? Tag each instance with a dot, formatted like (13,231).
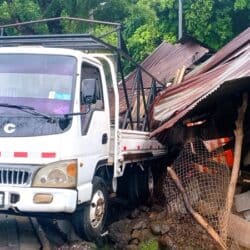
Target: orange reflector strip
(71,169)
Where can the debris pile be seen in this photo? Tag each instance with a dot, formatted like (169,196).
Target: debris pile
(155,224)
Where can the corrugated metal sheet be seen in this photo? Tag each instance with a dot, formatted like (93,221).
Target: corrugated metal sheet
(163,64)
(231,62)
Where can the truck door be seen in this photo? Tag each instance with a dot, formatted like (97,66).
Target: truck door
(95,124)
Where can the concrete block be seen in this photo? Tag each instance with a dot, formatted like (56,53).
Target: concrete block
(242,201)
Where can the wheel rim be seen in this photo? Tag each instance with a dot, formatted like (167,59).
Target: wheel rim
(150,183)
(97,209)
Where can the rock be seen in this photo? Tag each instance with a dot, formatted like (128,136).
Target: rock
(120,231)
(135,213)
(120,246)
(142,235)
(134,242)
(136,234)
(152,215)
(140,225)
(157,208)
(146,235)
(162,215)
(79,245)
(132,247)
(144,208)
(159,228)
(167,242)
(155,228)
(123,238)
(120,226)
(164,228)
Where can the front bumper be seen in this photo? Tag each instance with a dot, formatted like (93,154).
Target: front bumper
(64,200)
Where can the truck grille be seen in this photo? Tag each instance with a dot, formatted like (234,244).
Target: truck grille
(9,176)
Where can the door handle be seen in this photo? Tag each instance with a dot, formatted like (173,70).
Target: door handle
(104,138)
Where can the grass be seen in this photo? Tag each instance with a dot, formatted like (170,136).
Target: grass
(149,245)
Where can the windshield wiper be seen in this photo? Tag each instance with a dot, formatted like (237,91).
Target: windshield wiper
(64,122)
(27,109)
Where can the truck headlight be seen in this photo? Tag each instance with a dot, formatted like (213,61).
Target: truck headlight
(61,174)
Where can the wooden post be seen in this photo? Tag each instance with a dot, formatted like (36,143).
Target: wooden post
(194,214)
(181,74)
(176,76)
(239,133)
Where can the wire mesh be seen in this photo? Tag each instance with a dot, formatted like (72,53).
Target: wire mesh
(204,174)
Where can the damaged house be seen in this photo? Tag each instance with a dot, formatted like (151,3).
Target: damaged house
(202,120)
(202,115)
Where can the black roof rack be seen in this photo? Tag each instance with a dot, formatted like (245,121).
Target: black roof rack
(70,41)
(73,41)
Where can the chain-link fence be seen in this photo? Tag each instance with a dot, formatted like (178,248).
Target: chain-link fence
(203,169)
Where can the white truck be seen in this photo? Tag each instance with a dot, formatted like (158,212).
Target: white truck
(60,151)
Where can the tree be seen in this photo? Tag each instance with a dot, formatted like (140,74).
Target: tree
(146,23)
(13,11)
(209,21)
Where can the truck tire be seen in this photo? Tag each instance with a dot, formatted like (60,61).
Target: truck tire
(90,220)
(146,185)
(141,186)
(133,188)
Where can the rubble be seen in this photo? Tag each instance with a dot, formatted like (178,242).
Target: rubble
(132,233)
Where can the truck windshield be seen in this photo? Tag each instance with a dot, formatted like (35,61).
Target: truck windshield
(43,82)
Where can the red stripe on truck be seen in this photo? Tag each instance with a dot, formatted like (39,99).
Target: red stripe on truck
(48,155)
(21,154)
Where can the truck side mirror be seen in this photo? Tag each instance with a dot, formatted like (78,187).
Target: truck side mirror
(88,93)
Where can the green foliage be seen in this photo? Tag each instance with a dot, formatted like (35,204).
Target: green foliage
(120,10)
(210,21)
(140,15)
(5,12)
(242,4)
(106,34)
(143,41)
(21,10)
(149,245)
(146,23)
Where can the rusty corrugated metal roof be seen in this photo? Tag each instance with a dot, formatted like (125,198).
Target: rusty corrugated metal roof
(163,64)
(231,62)
(223,54)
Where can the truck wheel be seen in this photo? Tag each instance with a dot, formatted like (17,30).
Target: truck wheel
(89,222)
(133,188)
(147,185)
(141,186)
(151,183)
